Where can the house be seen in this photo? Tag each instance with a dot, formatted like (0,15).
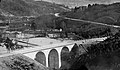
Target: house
(54,34)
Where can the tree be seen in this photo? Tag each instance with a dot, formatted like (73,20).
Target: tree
(76,8)
(33,26)
(64,28)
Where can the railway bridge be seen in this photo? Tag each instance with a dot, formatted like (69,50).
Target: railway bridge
(54,55)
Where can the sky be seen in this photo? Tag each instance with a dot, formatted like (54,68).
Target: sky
(72,3)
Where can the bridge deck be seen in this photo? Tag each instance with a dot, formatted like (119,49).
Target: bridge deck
(45,47)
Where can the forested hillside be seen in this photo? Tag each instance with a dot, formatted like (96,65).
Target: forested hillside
(98,12)
(109,14)
(29,7)
(82,29)
(101,56)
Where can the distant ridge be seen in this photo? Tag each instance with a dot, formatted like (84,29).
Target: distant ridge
(73,3)
(109,14)
(28,7)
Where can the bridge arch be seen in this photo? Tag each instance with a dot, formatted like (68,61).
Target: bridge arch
(70,47)
(64,57)
(53,59)
(74,51)
(40,57)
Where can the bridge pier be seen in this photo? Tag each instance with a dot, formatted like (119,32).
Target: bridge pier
(59,53)
(59,60)
(46,52)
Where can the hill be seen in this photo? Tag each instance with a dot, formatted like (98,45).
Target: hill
(82,29)
(43,9)
(28,7)
(45,21)
(109,14)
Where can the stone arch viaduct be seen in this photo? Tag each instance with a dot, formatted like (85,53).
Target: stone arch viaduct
(55,56)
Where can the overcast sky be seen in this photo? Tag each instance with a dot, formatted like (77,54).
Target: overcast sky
(81,2)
